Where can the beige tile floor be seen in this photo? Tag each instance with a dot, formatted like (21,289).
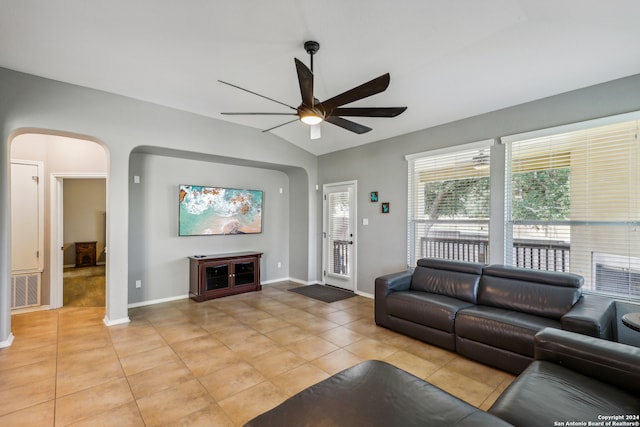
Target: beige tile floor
(216,363)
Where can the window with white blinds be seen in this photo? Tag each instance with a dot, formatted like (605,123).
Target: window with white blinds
(448,211)
(573,204)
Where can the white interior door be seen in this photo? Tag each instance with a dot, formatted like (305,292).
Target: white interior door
(339,235)
(27,240)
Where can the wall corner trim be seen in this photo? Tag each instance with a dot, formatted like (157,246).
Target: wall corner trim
(120,321)
(7,342)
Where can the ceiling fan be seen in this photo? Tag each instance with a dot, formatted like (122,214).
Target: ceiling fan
(313,112)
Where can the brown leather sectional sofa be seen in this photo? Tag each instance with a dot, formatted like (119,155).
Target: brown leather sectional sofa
(488,313)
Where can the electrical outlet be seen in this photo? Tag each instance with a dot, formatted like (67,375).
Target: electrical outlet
(279,264)
(138,283)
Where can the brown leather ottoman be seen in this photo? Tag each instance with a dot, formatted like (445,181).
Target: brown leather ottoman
(374,393)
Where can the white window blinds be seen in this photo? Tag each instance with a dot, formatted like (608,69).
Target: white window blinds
(448,212)
(573,204)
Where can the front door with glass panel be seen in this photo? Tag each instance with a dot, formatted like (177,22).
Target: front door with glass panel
(339,238)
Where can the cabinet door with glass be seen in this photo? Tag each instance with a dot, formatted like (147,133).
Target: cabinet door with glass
(216,276)
(244,272)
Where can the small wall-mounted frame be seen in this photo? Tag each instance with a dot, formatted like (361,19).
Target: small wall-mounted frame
(385,207)
(374,197)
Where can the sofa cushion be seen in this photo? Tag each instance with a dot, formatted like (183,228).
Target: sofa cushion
(432,310)
(374,393)
(456,279)
(542,293)
(547,393)
(505,329)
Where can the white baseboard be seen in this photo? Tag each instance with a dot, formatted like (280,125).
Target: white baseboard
(157,301)
(121,321)
(303,282)
(30,309)
(290,279)
(365,294)
(7,342)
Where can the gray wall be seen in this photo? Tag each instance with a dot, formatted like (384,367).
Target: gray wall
(121,125)
(158,256)
(380,166)
(299,249)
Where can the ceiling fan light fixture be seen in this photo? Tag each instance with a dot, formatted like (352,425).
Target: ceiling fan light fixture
(311,117)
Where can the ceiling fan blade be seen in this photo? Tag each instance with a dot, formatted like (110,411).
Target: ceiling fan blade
(257,94)
(348,124)
(305,79)
(368,112)
(315,131)
(259,114)
(275,127)
(367,89)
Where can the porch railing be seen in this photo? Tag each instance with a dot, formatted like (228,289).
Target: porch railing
(464,249)
(551,256)
(340,263)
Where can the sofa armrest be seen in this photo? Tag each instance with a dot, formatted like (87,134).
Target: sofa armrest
(610,362)
(592,315)
(393,282)
(385,285)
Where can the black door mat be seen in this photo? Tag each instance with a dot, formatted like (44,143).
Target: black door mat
(323,293)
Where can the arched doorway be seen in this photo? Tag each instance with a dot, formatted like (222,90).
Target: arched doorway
(63,157)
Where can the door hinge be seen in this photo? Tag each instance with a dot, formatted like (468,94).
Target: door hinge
(36,179)
(324,272)
(37,254)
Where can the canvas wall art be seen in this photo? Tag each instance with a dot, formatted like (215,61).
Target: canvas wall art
(218,210)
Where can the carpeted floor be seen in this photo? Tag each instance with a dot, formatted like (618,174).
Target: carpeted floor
(323,293)
(84,287)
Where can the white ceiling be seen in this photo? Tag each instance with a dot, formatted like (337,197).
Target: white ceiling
(447,59)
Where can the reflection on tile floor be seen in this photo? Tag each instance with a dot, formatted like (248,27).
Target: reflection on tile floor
(216,363)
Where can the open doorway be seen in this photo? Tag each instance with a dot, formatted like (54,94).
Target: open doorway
(82,163)
(84,236)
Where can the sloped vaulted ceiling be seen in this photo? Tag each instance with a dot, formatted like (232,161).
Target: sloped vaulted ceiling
(447,60)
